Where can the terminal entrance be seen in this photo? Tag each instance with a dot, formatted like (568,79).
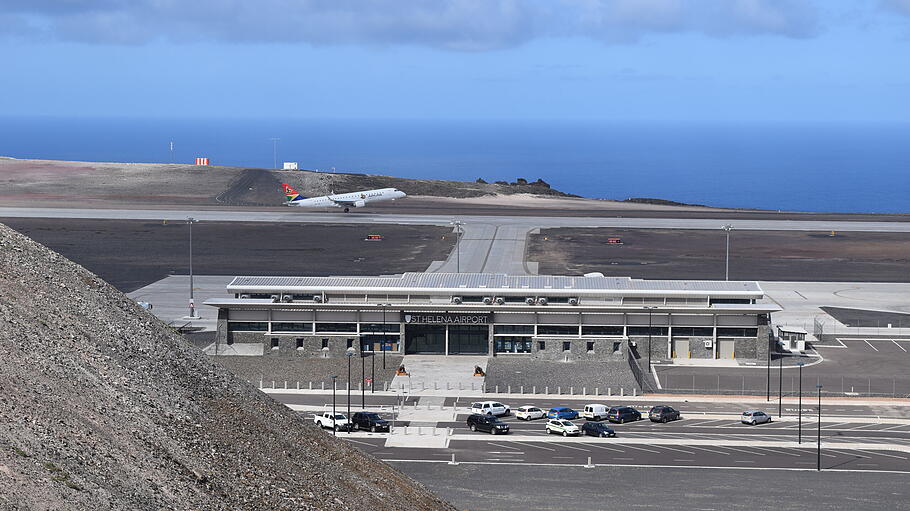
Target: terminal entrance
(462,339)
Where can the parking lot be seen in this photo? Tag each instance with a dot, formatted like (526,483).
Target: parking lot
(843,365)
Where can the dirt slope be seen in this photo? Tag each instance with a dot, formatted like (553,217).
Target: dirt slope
(102,407)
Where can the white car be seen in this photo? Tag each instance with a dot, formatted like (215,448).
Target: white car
(528,413)
(563,427)
(754,417)
(490,408)
(338,422)
(595,412)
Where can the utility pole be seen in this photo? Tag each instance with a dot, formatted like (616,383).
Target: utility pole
(780,387)
(650,308)
(799,437)
(334,425)
(727,228)
(818,460)
(349,353)
(458,224)
(190,221)
(275,152)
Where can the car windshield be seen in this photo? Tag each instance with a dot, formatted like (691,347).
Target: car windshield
(565,423)
(339,416)
(371,415)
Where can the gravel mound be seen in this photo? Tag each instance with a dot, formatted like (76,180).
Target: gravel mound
(103,407)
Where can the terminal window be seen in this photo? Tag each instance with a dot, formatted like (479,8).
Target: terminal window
(556,330)
(300,343)
(616,346)
(325,344)
(350,343)
(274,343)
(566,346)
(591,346)
(541,345)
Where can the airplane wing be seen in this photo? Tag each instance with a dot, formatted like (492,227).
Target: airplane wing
(347,203)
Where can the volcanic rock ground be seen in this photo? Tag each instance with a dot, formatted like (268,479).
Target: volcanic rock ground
(104,407)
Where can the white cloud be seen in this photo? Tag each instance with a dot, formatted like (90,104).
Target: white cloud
(466,25)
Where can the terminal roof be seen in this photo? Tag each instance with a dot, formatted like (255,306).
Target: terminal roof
(491,282)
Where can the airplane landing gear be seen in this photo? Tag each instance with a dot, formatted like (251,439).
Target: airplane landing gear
(347,209)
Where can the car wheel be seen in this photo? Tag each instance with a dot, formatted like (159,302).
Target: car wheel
(337,428)
(565,433)
(665,420)
(603,435)
(622,421)
(752,423)
(373,429)
(492,431)
(473,427)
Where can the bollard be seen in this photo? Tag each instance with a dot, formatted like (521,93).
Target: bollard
(451,432)
(584,391)
(571,391)
(273,384)
(285,384)
(609,391)
(559,390)
(589,465)
(453,462)
(385,385)
(459,385)
(521,390)
(534,389)
(447,385)
(423,385)
(596,391)
(546,390)
(415,405)
(497,389)
(634,392)
(298,384)
(509,391)
(435,385)
(622,391)
(260,383)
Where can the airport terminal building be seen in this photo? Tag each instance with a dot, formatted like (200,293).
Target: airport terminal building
(545,317)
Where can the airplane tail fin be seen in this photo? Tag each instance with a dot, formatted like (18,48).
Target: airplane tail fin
(292,194)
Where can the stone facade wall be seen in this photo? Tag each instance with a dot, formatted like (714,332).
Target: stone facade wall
(603,349)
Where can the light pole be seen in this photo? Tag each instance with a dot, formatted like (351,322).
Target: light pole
(457,224)
(780,387)
(363,383)
(768,388)
(728,228)
(190,221)
(818,460)
(349,353)
(650,308)
(799,438)
(382,344)
(373,365)
(334,429)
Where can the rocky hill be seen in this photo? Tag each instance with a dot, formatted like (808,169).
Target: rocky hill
(103,407)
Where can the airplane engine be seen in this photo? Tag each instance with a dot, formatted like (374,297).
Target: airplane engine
(360,204)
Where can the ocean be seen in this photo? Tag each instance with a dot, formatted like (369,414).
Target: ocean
(843,167)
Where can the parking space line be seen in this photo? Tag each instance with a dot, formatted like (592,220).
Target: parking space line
(745,451)
(706,449)
(899,346)
(675,449)
(537,446)
(774,451)
(503,446)
(607,448)
(848,453)
(870,345)
(576,448)
(683,461)
(641,449)
(876,453)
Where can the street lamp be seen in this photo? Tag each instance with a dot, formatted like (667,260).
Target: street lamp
(727,228)
(334,429)
(650,308)
(799,438)
(363,372)
(780,387)
(382,343)
(190,221)
(768,388)
(349,353)
(818,456)
(458,224)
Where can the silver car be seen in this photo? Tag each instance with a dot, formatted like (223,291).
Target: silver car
(754,417)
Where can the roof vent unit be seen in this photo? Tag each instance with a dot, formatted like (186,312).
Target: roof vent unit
(287,298)
(244,296)
(317,298)
(500,300)
(530,300)
(456,300)
(276,298)
(573,301)
(542,300)
(488,300)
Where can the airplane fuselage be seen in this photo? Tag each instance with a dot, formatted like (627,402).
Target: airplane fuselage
(350,200)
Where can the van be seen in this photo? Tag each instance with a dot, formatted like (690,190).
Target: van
(595,412)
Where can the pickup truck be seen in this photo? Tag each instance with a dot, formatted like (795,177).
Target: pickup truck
(338,422)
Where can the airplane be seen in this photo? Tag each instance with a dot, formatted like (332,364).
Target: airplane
(342,200)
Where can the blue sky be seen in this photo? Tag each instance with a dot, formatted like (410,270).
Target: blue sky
(676,60)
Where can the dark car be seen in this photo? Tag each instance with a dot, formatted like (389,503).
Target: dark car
(663,414)
(597,429)
(369,420)
(488,423)
(622,414)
